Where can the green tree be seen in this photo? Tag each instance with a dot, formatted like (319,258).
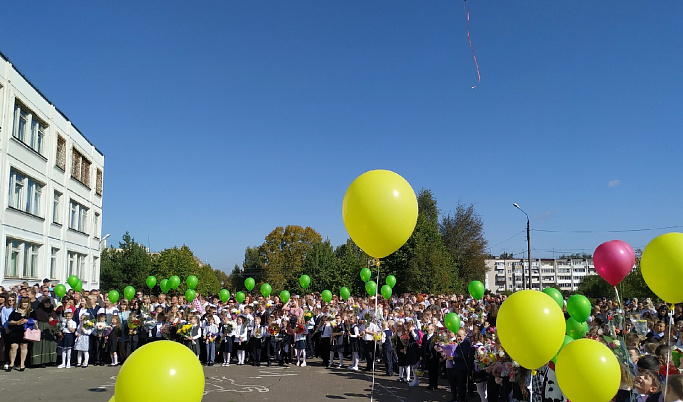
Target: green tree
(283,253)
(350,259)
(595,287)
(463,235)
(182,262)
(223,279)
(634,285)
(320,266)
(129,265)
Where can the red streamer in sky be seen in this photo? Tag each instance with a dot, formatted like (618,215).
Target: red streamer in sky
(474,56)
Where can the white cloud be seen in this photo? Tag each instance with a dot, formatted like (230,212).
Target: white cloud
(613,183)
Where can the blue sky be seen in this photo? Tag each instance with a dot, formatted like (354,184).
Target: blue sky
(220,120)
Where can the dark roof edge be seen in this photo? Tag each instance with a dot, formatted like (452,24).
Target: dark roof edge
(48,101)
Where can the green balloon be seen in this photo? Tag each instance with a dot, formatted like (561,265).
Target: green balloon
(190,294)
(129,293)
(60,290)
(575,329)
(72,281)
(556,295)
(240,296)
(345,293)
(386,292)
(191,282)
(113,296)
(224,295)
(371,288)
(391,281)
(174,281)
(326,296)
(452,322)
(284,296)
(266,289)
(304,281)
(249,283)
(579,308)
(151,281)
(79,286)
(164,285)
(365,274)
(567,340)
(476,289)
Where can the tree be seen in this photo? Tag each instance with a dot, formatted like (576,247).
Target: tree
(283,252)
(129,265)
(463,235)
(350,259)
(506,256)
(595,287)
(320,264)
(181,262)
(576,256)
(223,278)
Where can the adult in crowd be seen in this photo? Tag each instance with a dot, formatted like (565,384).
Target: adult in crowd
(5,311)
(44,352)
(18,344)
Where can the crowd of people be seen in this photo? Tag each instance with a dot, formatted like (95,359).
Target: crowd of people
(403,337)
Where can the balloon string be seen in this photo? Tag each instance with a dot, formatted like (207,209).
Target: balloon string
(374,338)
(474,56)
(668,355)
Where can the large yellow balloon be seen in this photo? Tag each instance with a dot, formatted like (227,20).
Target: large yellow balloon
(531,328)
(587,371)
(662,266)
(380,212)
(162,370)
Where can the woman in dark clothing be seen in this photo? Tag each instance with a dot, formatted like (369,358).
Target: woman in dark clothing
(45,351)
(16,322)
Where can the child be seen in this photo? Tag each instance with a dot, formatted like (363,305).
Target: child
(674,388)
(402,353)
(98,337)
(67,342)
(287,341)
(388,351)
(113,340)
(256,341)
(191,339)
(82,343)
(354,336)
(241,340)
(300,333)
(337,341)
(227,336)
(645,388)
(430,356)
(210,331)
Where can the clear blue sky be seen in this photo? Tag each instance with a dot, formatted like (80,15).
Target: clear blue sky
(220,120)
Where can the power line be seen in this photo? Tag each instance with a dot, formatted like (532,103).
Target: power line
(605,231)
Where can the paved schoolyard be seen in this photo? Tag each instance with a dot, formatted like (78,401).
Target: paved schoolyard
(234,383)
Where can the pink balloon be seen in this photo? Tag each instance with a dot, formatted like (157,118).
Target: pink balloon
(613,260)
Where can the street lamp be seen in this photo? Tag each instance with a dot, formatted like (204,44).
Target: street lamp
(103,239)
(528,245)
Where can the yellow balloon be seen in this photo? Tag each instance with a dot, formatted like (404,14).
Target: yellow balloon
(662,266)
(162,369)
(587,371)
(380,212)
(531,328)
(112,399)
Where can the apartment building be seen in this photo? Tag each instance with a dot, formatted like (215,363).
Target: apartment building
(513,274)
(51,215)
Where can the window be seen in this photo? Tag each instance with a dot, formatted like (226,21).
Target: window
(28,128)
(95,274)
(60,161)
(25,193)
(22,259)
(80,167)
(78,217)
(54,253)
(56,202)
(96,225)
(98,182)
(76,264)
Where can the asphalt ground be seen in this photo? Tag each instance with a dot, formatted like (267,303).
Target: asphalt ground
(234,383)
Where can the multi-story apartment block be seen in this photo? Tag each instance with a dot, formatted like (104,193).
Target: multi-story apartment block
(51,206)
(563,274)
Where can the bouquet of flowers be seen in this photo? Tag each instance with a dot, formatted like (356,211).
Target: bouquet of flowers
(300,329)
(133,323)
(166,331)
(149,323)
(378,336)
(486,354)
(229,326)
(367,318)
(175,321)
(100,327)
(356,309)
(87,324)
(308,315)
(234,312)
(273,329)
(210,337)
(185,331)
(56,327)
(404,338)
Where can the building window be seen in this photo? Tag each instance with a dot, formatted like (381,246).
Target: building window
(95,274)
(78,217)
(76,264)
(60,161)
(80,168)
(98,182)
(56,203)
(96,225)
(28,128)
(25,193)
(54,253)
(22,259)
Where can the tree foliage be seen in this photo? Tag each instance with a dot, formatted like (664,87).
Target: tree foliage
(463,235)
(632,286)
(129,265)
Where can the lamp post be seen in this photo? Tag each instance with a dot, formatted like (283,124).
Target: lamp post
(528,245)
(103,241)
